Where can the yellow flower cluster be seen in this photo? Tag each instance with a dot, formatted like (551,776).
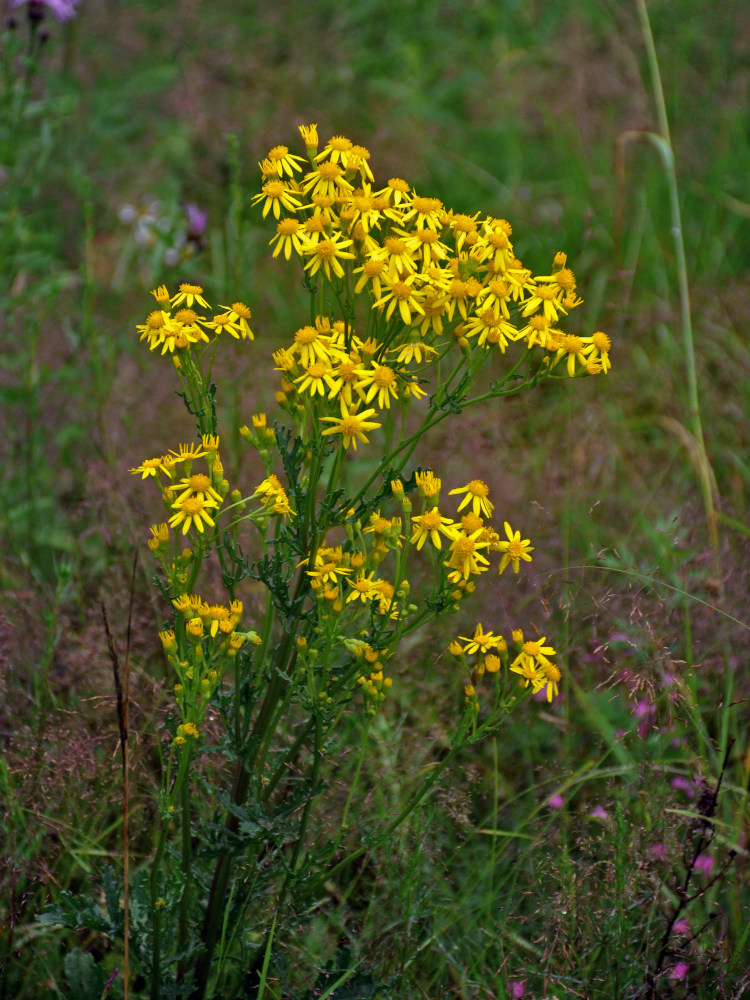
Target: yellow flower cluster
(175,325)
(428,272)
(468,538)
(489,652)
(192,500)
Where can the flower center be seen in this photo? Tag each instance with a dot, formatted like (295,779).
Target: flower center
(477,488)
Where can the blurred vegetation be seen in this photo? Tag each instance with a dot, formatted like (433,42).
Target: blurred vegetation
(528,110)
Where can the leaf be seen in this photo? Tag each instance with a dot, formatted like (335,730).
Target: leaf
(84,977)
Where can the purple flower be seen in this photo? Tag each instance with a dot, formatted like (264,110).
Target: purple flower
(681,927)
(683,785)
(556,802)
(704,864)
(679,971)
(599,812)
(62,10)
(517,989)
(196,219)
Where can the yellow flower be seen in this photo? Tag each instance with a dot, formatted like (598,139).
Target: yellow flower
(328,254)
(198,485)
(466,558)
(287,238)
(309,135)
(481,641)
(150,468)
(364,588)
(515,549)
(318,379)
(380,381)
(428,484)
(431,525)
(189,294)
(284,161)
(405,295)
(239,314)
(277,196)
(193,511)
(477,492)
(351,425)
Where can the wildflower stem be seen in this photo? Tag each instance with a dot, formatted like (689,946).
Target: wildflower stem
(668,159)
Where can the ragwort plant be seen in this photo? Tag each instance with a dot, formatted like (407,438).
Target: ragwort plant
(409,301)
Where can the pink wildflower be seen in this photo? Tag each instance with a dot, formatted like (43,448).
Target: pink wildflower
(62,10)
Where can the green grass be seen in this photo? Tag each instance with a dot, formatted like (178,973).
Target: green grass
(519,109)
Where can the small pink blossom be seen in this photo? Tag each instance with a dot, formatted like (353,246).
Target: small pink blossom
(599,812)
(62,10)
(704,864)
(517,989)
(556,802)
(679,971)
(683,785)
(681,927)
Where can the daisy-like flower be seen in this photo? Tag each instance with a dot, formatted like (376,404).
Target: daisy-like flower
(328,254)
(344,378)
(327,179)
(414,350)
(465,557)
(533,661)
(492,329)
(434,306)
(151,467)
(287,238)
(463,226)
(481,641)
(424,244)
(576,349)
(477,494)
(372,270)
(328,571)
(193,511)
(539,331)
(432,525)
(277,196)
(496,295)
(188,452)
(364,588)
(400,258)
(335,149)
(563,281)
(602,345)
(198,485)
(404,295)
(514,549)
(380,381)
(284,161)
(357,159)
(318,379)
(311,346)
(189,294)
(239,314)
(425,212)
(457,296)
(351,425)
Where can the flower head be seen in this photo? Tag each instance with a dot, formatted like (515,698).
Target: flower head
(62,10)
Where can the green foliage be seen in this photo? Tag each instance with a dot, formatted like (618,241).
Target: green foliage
(522,108)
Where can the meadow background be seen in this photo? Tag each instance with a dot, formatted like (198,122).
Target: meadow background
(550,860)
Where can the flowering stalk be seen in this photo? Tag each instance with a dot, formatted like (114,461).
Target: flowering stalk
(402,290)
